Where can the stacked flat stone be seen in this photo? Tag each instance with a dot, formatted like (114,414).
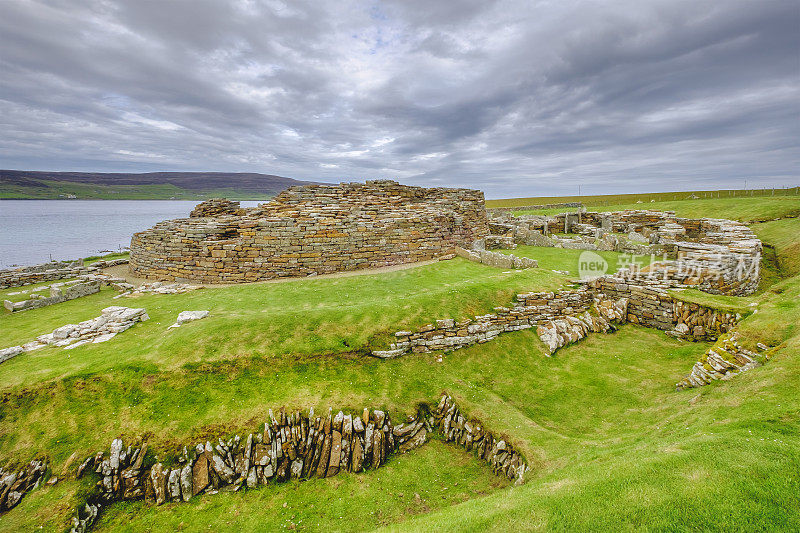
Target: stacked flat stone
(112,320)
(215,207)
(723,361)
(569,329)
(497,259)
(58,294)
(717,256)
(291,446)
(651,304)
(55,270)
(529,310)
(473,436)
(15,484)
(314,229)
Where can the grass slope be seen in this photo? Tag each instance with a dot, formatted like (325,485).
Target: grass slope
(612,445)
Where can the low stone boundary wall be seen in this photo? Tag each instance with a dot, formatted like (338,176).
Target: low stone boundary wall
(529,310)
(57,295)
(496,259)
(19,277)
(565,317)
(290,446)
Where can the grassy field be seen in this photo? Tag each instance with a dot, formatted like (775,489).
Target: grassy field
(632,198)
(612,445)
(55,190)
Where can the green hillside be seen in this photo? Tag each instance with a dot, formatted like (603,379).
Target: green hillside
(612,445)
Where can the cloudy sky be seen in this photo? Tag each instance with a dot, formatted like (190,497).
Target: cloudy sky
(516,98)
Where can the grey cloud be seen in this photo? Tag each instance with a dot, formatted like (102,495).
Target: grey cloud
(517,98)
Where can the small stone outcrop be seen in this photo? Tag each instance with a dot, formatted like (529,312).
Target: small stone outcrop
(316,229)
(188,316)
(15,484)
(290,446)
(112,320)
(723,361)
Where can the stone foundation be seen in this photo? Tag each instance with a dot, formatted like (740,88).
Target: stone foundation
(311,230)
(713,255)
(69,291)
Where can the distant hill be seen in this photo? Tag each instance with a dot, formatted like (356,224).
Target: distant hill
(23,184)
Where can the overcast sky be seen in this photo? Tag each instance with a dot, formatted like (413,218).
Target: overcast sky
(516,98)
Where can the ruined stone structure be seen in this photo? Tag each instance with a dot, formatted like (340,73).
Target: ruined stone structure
(309,230)
(290,446)
(713,255)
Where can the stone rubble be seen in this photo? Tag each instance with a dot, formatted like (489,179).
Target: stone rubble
(112,320)
(723,361)
(188,316)
(15,484)
(717,256)
(497,259)
(156,287)
(290,446)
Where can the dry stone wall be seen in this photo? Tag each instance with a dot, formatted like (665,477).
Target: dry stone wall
(54,270)
(541,309)
(717,256)
(311,230)
(290,446)
(68,291)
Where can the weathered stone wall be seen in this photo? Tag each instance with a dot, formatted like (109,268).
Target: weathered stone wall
(315,229)
(651,305)
(290,446)
(530,309)
(57,295)
(18,277)
(713,255)
(496,259)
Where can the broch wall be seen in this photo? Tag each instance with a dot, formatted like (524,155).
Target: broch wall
(310,230)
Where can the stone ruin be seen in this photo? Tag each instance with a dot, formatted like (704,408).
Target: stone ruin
(717,256)
(291,445)
(309,230)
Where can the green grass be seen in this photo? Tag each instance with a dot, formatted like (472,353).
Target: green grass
(612,445)
(566,260)
(743,209)
(633,198)
(54,190)
(106,257)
